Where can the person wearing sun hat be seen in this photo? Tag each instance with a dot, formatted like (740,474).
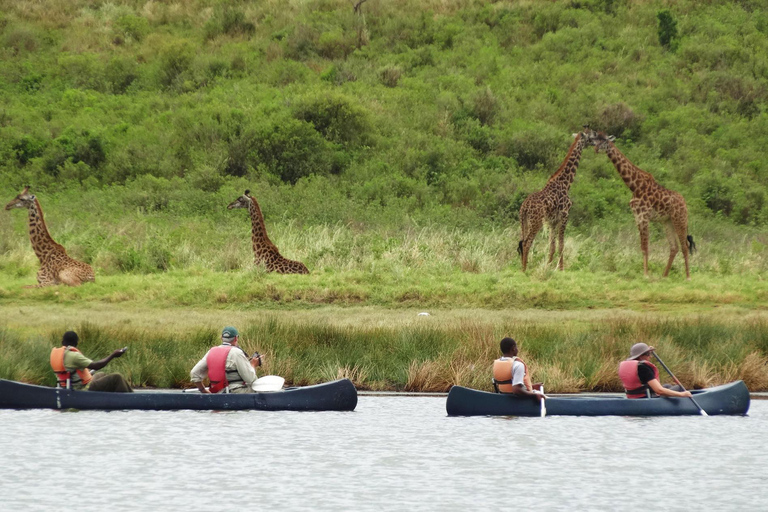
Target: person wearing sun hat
(227,366)
(640,376)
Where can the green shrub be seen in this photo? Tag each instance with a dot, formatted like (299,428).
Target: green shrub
(668,37)
(337,118)
(129,28)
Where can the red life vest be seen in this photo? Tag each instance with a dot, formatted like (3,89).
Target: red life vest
(64,376)
(502,375)
(217,367)
(629,377)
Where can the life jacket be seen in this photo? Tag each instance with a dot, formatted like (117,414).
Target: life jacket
(64,377)
(502,375)
(631,381)
(220,377)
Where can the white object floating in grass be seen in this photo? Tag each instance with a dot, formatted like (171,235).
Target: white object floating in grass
(423,313)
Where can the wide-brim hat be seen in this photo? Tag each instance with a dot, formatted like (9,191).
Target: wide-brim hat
(638,349)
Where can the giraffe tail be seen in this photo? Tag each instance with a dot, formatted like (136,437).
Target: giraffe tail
(691,244)
(520,248)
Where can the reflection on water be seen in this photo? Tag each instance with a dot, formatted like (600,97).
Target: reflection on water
(393,453)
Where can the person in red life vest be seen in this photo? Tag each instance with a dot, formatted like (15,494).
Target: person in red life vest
(73,369)
(227,366)
(510,373)
(641,377)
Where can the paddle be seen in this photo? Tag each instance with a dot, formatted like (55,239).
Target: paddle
(543,401)
(701,409)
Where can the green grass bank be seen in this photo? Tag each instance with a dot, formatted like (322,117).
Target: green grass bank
(398,350)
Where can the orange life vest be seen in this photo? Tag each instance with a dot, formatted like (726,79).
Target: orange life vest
(64,376)
(217,367)
(631,380)
(502,375)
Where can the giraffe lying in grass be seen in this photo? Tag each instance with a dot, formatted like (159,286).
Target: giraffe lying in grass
(264,251)
(56,266)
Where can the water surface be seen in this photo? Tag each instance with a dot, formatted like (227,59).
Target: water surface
(392,453)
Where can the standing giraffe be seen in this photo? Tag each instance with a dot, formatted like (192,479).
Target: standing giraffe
(551,205)
(264,251)
(650,203)
(56,266)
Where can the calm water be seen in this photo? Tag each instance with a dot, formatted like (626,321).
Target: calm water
(392,453)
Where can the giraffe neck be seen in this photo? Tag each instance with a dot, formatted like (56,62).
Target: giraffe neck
(632,175)
(42,242)
(261,242)
(567,171)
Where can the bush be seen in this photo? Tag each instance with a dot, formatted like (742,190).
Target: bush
(337,118)
(390,75)
(293,149)
(667,30)
(230,21)
(129,28)
(619,120)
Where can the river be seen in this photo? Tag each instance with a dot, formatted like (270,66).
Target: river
(392,453)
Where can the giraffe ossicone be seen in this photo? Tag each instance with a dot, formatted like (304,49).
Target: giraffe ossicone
(56,267)
(650,203)
(264,251)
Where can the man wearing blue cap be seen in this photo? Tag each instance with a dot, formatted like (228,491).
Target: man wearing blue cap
(227,366)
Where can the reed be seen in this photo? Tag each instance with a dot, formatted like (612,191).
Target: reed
(570,356)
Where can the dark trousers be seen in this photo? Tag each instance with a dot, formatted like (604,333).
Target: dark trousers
(110,382)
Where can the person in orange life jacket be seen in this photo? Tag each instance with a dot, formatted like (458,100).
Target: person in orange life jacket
(640,376)
(510,374)
(69,363)
(227,366)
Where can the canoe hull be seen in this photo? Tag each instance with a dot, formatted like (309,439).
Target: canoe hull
(732,398)
(339,395)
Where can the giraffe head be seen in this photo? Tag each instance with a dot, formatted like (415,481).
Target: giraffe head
(23,200)
(243,201)
(600,140)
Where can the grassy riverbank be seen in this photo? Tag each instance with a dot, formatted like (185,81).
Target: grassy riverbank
(397,349)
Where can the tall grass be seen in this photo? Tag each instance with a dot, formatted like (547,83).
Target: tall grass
(428,356)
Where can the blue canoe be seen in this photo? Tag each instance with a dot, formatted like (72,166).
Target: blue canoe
(339,395)
(730,398)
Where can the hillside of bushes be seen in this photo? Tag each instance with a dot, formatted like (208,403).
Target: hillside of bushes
(372,115)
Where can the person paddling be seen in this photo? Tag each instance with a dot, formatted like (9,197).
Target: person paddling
(73,369)
(227,366)
(640,376)
(510,373)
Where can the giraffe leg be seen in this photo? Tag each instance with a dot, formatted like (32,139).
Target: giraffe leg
(553,229)
(561,241)
(69,277)
(673,247)
(534,228)
(681,231)
(44,278)
(643,228)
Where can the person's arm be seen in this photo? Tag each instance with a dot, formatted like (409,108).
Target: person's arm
(660,390)
(518,384)
(521,391)
(198,373)
(245,368)
(101,363)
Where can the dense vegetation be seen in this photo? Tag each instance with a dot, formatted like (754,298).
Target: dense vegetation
(404,111)
(421,354)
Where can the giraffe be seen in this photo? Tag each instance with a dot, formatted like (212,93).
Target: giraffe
(56,266)
(650,203)
(551,205)
(264,251)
